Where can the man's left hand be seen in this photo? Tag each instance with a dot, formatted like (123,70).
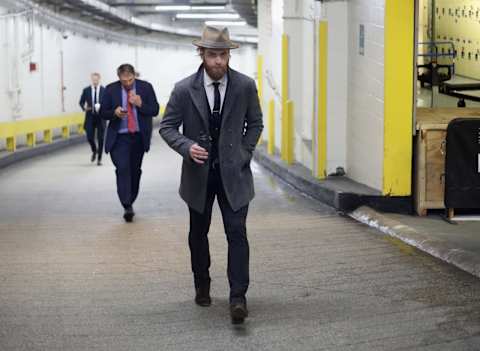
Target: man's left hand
(135,99)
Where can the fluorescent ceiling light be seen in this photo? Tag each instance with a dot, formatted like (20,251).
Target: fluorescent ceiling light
(207,16)
(208,7)
(173,8)
(225,23)
(170,8)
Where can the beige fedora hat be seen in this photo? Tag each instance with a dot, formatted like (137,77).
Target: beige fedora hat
(215,38)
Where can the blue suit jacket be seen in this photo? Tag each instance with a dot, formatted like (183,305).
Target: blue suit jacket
(113,98)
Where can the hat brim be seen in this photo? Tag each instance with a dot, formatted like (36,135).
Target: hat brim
(214,45)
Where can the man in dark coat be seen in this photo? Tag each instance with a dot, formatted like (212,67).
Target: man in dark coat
(222,122)
(90,102)
(129,105)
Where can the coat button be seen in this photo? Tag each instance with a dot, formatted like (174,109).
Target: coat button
(231,145)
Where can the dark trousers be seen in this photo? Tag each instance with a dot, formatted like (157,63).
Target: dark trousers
(95,123)
(127,155)
(235,229)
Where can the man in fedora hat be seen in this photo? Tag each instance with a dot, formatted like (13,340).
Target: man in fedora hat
(222,121)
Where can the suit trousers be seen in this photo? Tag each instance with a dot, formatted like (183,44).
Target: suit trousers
(234,223)
(95,123)
(127,156)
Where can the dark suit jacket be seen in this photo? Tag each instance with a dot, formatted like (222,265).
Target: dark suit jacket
(240,130)
(113,98)
(87,98)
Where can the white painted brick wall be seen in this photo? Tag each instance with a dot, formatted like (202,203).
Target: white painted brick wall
(365,124)
(337,85)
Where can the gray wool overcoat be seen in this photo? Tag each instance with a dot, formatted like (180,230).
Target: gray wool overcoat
(239,133)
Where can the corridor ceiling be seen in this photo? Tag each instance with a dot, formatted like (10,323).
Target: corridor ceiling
(146,16)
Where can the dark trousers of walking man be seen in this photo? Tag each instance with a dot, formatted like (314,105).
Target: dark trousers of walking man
(236,232)
(95,126)
(127,156)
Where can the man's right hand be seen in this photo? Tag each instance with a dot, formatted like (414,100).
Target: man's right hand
(198,154)
(120,113)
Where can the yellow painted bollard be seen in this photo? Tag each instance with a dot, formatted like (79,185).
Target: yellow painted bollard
(283,147)
(284,93)
(287,133)
(260,76)
(65,132)
(11,144)
(31,139)
(320,144)
(47,136)
(290,144)
(271,127)
(260,88)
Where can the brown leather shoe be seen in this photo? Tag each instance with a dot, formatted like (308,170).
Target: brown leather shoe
(238,312)
(202,296)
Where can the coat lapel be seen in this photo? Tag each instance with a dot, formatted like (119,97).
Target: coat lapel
(119,93)
(197,93)
(230,96)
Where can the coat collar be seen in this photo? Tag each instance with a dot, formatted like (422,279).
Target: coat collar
(233,90)
(198,95)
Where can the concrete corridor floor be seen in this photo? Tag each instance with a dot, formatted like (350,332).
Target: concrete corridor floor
(74,276)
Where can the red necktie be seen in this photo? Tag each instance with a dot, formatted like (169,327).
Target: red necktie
(131,124)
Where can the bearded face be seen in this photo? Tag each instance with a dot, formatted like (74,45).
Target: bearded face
(215,62)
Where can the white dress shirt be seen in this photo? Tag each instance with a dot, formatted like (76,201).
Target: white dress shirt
(210,90)
(96,108)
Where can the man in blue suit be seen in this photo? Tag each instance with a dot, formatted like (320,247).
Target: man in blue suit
(90,102)
(129,105)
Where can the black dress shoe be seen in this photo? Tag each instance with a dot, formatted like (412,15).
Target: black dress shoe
(202,296)
(99,162)
(238,312)
(128,214)
(94,156)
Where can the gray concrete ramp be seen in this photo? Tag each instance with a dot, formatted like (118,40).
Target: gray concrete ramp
(74,276)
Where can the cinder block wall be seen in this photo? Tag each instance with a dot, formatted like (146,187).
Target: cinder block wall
(365,124)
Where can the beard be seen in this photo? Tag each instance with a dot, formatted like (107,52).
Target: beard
(216,72)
